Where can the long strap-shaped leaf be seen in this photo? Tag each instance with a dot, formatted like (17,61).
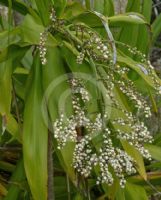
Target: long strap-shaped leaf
(156,28)
(35,136)
(43,8)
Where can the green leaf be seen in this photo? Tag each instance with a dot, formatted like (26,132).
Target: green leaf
(44,10)
(155,151)
(132,18)
(17,182)
(145,35)
(3,190)
(56,97)
(17,5)
(129,34)
(120,194)
(78,197)
(72,10)
(156,28)
(30,32)
(5,87)
(133,192)
(35,134)
(98,6)
(13,36)
(6,166)
(88,4)
(137,157)
(140,68)
(13,128)
(60,6)
(89,18)
(154,177)
(108,8)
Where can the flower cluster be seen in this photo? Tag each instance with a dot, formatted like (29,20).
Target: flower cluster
(137,136)
(118,159)
(43,38)
(145,65)
(81,57)
(65,129)
(42,46)
(93,45)
(127,87)
(82,127)
(85,159)
(53,17)
(78,88)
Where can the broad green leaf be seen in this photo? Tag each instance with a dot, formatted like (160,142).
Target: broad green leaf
(108,8)
(19,87)
(120,195)
(35,134)
(55,84)
(133,5)
(78,197)
(72,10)
(18,177)
(132,18)
(105,7)
(144,35)
(154,166)
(98,6)
(157,139)
(129,34)
(57,96)
(155,151)
(89,18)
(154,177)
(13,51)
(13,36)
(30,32)
(140,35)
(137,157)
(60,6)
(13,128)
(44,10)
(88,4)
(5,87)
(156,28)
(133,192)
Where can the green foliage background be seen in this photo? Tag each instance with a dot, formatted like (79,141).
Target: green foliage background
(24,151)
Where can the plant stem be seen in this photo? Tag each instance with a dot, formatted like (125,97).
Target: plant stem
(16,106)
(50,169)
(68,187)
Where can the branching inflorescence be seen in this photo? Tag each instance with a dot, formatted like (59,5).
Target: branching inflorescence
(109,157)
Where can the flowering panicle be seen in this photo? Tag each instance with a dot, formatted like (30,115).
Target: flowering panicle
(138,134)
(85,157)
(42,47)
(80,127)
(93,45)
(127,87)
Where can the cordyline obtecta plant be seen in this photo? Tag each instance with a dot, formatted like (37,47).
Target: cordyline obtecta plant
(82,110)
